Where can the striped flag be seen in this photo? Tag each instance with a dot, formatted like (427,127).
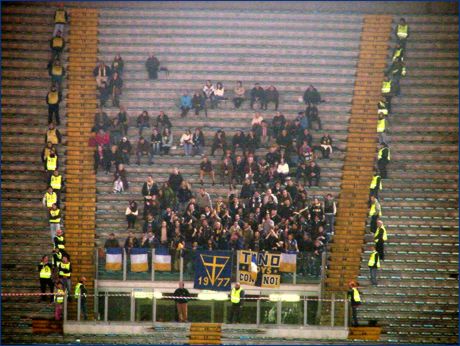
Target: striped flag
(113,259)
(139,260)
(162,259)
(288,262)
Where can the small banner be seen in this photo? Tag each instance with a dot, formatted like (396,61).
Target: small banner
(162,259)
(266,264)
(288,262)
(213,270)
(113,259)
(139,260)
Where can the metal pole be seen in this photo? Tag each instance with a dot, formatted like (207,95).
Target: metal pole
(258,312)
(78,307)
(154,312)
(97,263)
(106,306)
(237,279)
(132,306)
(213,310)
(96,301)
(345,319)
(181,267)
(305,311)
(65,307)
(153,265)
(332,309)
(124,264)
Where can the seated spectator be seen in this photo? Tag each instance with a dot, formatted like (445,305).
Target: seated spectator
(53,99)
(311,96)
(303,121)
(166,141)
(150,224)
(163,121)
(155,140)
(278,124)
(131,242)
(185,104)
(53,135)
(167,197)
(120,179)
(312,115)
(326,146)
(239,92)
(183,196)
(208,91)
(143,120)
(102,73)
(203,200)
(175,179)
(282,169)
(218,94)
(187,142)
(118,65)
(198,102)
(152,65)
(284,141)
(271,95)
(115,87)
(265,133)
(239,142)
(305,152)
(56,72)
(227,172)
(252,142)
(197,142)
(104,93)
(131,214)
(124,146)
(313,173)
(219,142)
(303,136)
(144,148)
(112,242)
(206,168)
(115,131)
(57,45)
(111,158)
(256,123)
(122,117)
(101,121)
(257,95)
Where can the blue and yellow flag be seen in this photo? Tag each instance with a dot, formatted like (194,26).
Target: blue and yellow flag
(213,270)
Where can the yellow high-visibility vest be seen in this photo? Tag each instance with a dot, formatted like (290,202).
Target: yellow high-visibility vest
(374,182)
(377,234)
(372,260)
(356,296)
(381,153)
(45,272)
(59,297)
(397,54)
(65,266)
(51,136)
(402,30)
(381,125)
(53,97)
(386,87)
(383,109)
(78,290)
(59,17)
(235,295)
(58,42)
(56,70)
(55,213)
(56,182)
(50,199)
(61,243)
(51,163)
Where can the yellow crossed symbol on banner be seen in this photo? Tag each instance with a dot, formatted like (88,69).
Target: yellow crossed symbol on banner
(213,266)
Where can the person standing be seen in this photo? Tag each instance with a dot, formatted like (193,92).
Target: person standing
(152,64)
(181,303)
(330,209)
(355,301)
(402,32)
(374,264)
(81,291)
(235,297)
(54,218)
(45,269)
(53,98)
(58,301)
(380,237)
(374,212)
(65,270)
(376,185)
(60,19)
(383,160)
(57,184)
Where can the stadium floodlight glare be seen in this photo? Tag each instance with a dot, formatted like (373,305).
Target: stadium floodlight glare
(210,295)
(148,295)
(283,297)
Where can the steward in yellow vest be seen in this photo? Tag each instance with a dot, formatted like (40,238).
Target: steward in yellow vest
(373,264)
(59,241)
(55,214)
(53,98)
(355,301)
(59,301)
(380,237)
(398,53)
(56,181)
(57,44)
(45,271)
(56,72)
(235,298)
(49,198)
(386,86)
(402,32)
(374,213)
(53,135)
(376,185)
(60,16)
(383,158)
(81,291)
(383,108)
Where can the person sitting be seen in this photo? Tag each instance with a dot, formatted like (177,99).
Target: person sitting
(219,142)
(166,141)
(144,148)
(198,102)
(104,93)
(313,115)
(152,65)
(143,120)
(155,140)
(282,170)
(326,146)
(305,152)
(218,94)
(239,142)
(208,91)
(239,92)
(313,173)
(131,242)
(57,44)
(271,95)
(206,168)
(102,73)
(257,95)
(112,242)
(198,142)
(163,121)
(227,173)
(278,124)
(305,135)
(120,179)
(284,141)
(124,146)
(185,104)
(115,87)
(115,131)
(118,64)
(131,214)
(252,142)
(101,121)
(256,123)
(186,142)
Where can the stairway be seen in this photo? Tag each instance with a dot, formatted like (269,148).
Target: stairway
(81,180)
(345,250)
